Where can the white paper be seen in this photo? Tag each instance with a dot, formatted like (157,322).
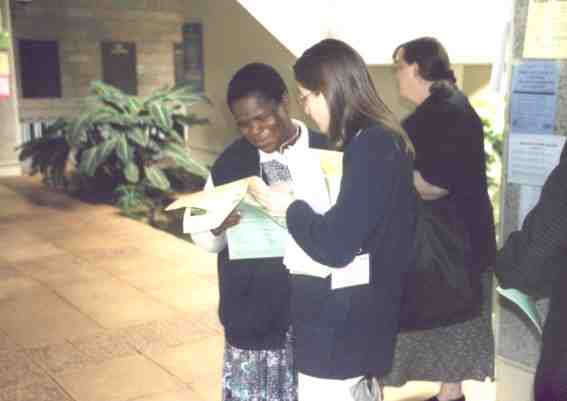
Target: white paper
(529,196)
(356,272)
(531,157)
(308,185)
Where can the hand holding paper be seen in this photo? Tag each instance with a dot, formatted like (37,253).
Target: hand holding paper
(275,199)
(232,220)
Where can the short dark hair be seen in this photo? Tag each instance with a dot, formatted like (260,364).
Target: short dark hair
(256,79)
(431,58)
(336,70)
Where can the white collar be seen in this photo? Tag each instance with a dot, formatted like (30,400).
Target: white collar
(301,143)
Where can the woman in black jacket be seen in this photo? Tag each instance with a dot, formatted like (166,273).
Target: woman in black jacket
(254,293)
(345,324)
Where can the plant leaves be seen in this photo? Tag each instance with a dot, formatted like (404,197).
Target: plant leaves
(104,150)
(88,162)
(122,149)
(183,159)
(139,136)
(156,178)
(132,173)
(161,116)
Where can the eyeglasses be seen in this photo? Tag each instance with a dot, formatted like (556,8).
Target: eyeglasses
(302,99)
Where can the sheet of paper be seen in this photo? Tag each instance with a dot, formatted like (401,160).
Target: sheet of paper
(356,273)
(308,185)
(534,97)
(532,157)
(546,29)
(529,196)
(255,236)
(214,205)
(525,303)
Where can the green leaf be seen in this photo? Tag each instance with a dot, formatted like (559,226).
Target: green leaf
(134,104)
(156,178)
(161,116)
(122,149)
(104,150)
(139,136)
(132,173)
(182,158)
(88,162)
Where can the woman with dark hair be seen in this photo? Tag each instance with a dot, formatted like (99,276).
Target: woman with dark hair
(345,321)
(254,293)
(450,176)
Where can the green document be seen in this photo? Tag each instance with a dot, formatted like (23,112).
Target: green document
(525,303)
(256,235)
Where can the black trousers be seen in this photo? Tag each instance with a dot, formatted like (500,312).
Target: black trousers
(551,374)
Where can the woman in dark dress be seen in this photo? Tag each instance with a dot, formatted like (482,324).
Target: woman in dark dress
(450,175)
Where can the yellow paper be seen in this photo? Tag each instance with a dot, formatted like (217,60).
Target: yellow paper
(546,30)
(331,161)
(4,63)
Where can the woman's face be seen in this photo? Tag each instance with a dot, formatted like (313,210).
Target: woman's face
(405,75)
(315,106)
(263,123)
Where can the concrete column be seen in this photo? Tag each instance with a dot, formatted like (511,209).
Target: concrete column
(9,117)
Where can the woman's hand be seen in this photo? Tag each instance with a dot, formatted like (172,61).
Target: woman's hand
(426,190)
(232,220)
(275,198)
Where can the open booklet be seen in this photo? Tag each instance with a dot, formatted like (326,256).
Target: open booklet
(258,234)
(207,209)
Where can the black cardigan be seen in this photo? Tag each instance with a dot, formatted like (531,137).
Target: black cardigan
(254,293)
(351,331)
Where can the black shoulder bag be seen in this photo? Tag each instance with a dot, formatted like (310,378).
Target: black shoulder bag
(441,289)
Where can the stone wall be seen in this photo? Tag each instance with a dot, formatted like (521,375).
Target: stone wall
(80,25)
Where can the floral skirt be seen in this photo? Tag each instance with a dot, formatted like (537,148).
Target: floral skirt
(259,375)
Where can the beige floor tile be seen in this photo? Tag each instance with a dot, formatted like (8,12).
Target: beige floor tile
(153,273)
(114,303)
(60,270)
(29,252)
(181,395)
(197,296)
(14,284)
(119,379)
(193,363)
(44,390)
(41,318)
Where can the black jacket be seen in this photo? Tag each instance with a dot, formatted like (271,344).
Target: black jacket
(351,331)
(254,293)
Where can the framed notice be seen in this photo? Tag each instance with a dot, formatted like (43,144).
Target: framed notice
(193,66)
(119,66)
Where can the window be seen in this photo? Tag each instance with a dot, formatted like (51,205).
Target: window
(39,68)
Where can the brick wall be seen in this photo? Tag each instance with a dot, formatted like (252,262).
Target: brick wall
(80,25)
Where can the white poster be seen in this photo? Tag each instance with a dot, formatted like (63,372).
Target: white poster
(529,196)
(531,157)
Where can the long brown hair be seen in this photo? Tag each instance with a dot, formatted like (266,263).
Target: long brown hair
(335,69)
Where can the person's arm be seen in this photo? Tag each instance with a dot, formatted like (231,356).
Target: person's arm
(531,256)
(426,190)
(371,163)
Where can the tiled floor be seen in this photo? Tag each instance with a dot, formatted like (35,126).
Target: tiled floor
(97,307)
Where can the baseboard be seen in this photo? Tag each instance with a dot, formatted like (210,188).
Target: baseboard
(10,169)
